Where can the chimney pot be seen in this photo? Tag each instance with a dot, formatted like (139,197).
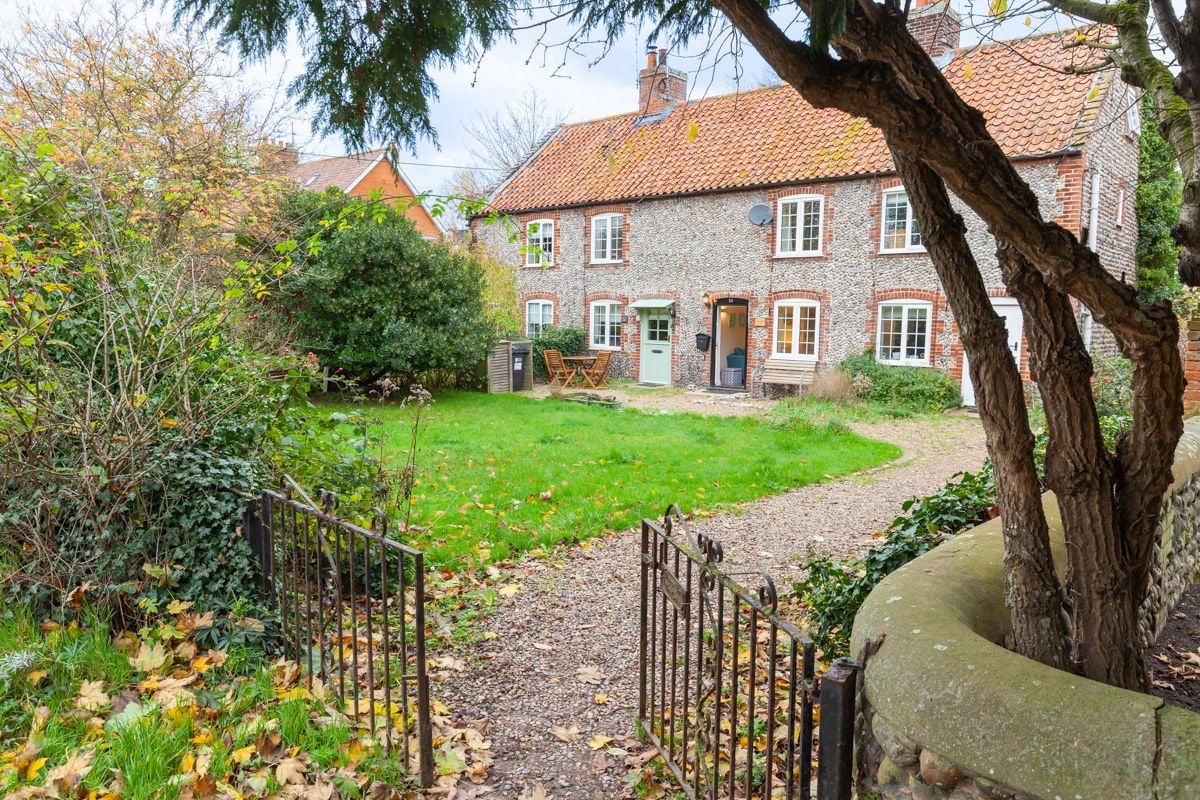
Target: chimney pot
(662,55)
(935,25)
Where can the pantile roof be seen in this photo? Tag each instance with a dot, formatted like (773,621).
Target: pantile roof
(339,171)
(1032,103)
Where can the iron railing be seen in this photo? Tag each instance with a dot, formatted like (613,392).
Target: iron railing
(351,605)
(727,686)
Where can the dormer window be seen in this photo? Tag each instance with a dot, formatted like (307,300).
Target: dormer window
(901,233)
(608,236)
(539,243)
(800,225)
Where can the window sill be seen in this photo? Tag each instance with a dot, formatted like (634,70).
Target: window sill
(610,348)
(901,363)
(606,263)
(904,251)
(539,266)
(782,256)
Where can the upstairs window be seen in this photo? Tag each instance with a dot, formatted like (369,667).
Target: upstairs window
(539,243)
(607,238)
(903,335)
(1121,200)
(800,220)
(901,233)
(606,325)
(539,315)
(1133,115)
(797,323)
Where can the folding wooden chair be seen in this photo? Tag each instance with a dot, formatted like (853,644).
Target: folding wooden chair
(556,371)
(594,375)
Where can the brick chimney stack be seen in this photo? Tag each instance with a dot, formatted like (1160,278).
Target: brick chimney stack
(659,86)
(278,155)
(935,26)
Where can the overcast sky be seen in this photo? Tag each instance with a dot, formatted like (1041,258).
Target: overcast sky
(579,88)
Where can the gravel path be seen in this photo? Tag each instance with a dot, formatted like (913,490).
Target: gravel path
(580,613)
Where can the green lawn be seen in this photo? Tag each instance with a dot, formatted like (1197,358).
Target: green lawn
(486,462)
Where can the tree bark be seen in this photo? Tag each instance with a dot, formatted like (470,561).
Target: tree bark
(1080,473)
(1032,591)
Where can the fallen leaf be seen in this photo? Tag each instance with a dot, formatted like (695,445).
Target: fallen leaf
(92,696)
(149,658)
(599,741)
(290,770)
(591,674)
(601,699)
(242,754)
(510,590)
(567,735)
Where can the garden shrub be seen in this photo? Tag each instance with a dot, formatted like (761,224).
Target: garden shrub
(567,339)
(131,416)
(916,388)
(370,297)
(834,385)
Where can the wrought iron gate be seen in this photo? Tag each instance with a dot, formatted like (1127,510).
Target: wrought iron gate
(727,686)
(351,603)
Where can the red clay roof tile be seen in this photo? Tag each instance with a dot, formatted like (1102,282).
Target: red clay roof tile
(1033,105)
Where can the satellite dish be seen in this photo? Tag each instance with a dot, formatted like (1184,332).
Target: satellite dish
(760,214)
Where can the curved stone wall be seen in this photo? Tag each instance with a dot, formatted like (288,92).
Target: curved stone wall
(948,712)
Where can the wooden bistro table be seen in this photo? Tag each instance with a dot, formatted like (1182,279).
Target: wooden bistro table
(576,364)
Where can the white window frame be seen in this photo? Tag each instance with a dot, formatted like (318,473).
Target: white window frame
(800,200)
(1093,237)
(611,306)
(910,223)
(542,325)
(797,356)
(907,306)
(1121,200)
(535,254)
(608,239)
(1133,116)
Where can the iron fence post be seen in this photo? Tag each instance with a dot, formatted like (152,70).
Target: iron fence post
(424,724)
(642,640)
(835,766)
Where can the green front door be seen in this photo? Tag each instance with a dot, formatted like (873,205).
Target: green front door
(656,346)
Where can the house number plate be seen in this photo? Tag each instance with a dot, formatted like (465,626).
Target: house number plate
(674,591)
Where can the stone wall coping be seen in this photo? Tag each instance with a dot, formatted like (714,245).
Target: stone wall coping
(941,679)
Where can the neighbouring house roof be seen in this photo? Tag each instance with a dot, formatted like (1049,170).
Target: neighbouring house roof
(340,171)
(1033,106)
(347,172)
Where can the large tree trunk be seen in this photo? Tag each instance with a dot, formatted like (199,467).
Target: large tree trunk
(1080,472)
(884,76)
(1032,591)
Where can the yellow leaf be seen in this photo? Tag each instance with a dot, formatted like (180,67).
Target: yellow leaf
(202,738)
(601,698)
(188,763)
(510,590)
(178,606)
(693,131)
(35,676)
(599,741)
(242,754)
(34,768)
(968,71)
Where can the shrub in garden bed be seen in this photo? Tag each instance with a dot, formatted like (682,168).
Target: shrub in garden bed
(916,388)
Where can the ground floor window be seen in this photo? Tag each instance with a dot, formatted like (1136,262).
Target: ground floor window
(539,314)
(797,323)
(606,324)
(903,336)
